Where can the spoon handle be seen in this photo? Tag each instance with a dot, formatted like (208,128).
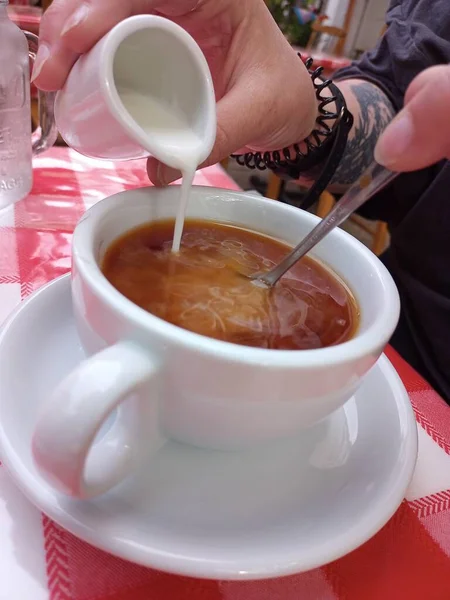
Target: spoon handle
(374,179)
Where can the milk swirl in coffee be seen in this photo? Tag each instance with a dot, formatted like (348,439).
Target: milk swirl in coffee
(202,289)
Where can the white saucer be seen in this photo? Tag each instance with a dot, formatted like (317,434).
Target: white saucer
(287,508)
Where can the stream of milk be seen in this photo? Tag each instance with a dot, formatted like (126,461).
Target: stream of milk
(167,128)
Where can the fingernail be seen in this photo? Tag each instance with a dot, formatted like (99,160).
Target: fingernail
(395,140)
(76,19)
(42,55)
(166,175)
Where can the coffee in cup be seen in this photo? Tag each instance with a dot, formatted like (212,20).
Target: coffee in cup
(204,288)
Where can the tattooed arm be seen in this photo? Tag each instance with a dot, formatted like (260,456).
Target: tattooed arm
(372,112)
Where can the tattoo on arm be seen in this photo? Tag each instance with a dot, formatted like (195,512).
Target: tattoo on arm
(373,111)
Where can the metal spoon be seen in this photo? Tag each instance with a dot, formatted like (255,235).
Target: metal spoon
(374,179)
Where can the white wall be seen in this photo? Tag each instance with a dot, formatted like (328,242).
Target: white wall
(335,10)
(367,22)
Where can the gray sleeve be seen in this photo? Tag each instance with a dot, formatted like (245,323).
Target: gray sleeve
(417,37)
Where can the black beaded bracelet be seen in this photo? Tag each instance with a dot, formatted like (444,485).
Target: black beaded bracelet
(324,147)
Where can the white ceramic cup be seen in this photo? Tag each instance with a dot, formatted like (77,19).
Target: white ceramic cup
(148,54)
(171,382)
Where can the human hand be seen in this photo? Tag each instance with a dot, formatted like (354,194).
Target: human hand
(419,136)
(265,98)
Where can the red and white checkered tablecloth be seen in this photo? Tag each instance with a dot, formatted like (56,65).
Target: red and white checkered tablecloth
(25,16)
(408,560)
(329,62)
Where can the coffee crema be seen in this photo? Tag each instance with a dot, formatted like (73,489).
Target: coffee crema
(202,289)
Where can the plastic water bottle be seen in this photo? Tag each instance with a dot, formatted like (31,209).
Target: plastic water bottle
(17,145)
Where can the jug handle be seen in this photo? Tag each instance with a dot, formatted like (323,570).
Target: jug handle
(46,133)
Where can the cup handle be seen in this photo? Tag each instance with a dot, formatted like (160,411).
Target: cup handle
(63,441)
(46,134)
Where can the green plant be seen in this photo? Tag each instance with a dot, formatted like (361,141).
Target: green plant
(283,13)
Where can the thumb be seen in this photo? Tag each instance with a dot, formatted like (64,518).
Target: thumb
(419,136)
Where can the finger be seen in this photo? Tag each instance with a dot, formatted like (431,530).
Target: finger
(54,18)
(94,18)
(426,77)
(420,134)
(69,29)
(53,59)
(161,175)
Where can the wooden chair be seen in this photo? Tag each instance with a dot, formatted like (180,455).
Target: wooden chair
(339,34)
(379,231)
(326,203)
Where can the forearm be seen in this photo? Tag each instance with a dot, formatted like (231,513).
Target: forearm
(372,112)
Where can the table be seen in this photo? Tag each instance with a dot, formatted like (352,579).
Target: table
(26,17)
(329,62)
(407,560)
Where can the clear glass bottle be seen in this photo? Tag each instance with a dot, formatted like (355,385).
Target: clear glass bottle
(17,145)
